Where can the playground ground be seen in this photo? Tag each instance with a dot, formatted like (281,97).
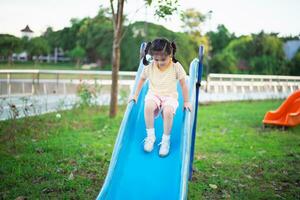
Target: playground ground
(47,157)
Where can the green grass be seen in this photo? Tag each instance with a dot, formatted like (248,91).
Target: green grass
(48,151)
(53,66)
(48,66)
(244,161)
(67,158)
(41,66)
(31,65)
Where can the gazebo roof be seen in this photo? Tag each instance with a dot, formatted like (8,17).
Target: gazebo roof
(27,29)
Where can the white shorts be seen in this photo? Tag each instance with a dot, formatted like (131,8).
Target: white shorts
(161,102)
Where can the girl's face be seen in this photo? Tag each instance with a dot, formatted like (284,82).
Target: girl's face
(161,60)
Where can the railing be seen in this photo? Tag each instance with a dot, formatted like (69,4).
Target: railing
(29,82)
(220,86)
(238,83)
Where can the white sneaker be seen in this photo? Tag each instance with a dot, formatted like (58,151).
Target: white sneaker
(149,142)
(164,148)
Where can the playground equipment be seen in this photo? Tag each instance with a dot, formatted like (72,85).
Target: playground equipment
(288,113)
(134,174)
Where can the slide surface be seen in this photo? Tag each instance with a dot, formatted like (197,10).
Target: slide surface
(288,113)
(134,174)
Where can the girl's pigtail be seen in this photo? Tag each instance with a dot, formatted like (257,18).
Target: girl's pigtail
(173,45)
(145,61)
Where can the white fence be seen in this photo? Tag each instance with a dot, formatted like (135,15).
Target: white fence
(53,90)
(238,83)
(218,87)
(62,82)
(233,87)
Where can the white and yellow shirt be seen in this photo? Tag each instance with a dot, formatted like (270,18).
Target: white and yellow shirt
(163,81)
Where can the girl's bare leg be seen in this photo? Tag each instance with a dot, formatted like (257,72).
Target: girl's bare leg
(150,107)
(168,119)
(168,122)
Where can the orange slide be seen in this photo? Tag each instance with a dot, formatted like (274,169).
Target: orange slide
(288,113)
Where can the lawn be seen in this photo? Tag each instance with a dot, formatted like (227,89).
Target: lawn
(46,157)
(31,65)
(48,66)
(237,159)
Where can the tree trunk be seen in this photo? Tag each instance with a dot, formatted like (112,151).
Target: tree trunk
(114,78)
(36,61)
(118,20)
(78,62)
(10,59)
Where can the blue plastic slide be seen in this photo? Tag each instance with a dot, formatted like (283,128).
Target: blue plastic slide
(136,175)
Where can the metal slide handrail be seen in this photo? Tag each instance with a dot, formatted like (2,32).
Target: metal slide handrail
(198,85)
(190,118)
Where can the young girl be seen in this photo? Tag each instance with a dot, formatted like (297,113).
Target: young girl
(162,95)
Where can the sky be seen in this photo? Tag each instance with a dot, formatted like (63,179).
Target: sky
(239,16)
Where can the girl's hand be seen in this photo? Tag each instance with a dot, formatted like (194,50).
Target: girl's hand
(133,98)
(187,105)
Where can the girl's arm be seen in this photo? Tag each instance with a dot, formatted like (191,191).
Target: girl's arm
(185,92)
(138,89)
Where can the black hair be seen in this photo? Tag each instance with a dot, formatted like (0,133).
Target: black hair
(160,45)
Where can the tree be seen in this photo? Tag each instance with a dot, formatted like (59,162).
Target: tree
(240,47)
(266,44)
(66,38)
(266,65)
(257,54)
(117,24)
(290,37)
(220,39)
(9,44)
(266,55)
(191,24)
(53,38)
(224,62)
(164,8)
(229,58)
(96,35)
(192,19)
(37,47)
(294,65)
(78,53)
